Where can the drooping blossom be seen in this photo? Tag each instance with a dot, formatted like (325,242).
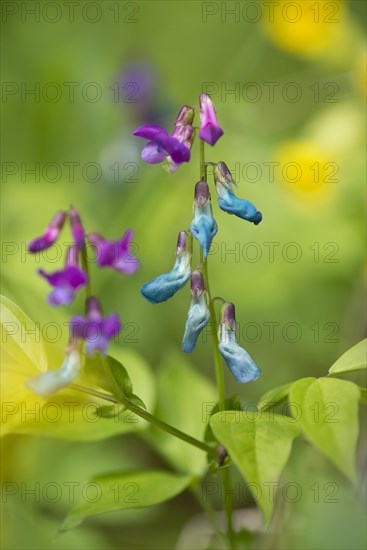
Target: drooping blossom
(228,201)
(50,235)
(77,228)
(210,131)
(166,285)
(95,329)
(198,315)
(236,358)
(203,226)
(66,282)
(115,254)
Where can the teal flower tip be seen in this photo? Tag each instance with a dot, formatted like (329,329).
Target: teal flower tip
(241,208)
(163,287)
(239,362)
(242,367)
(166,285)
(228,201)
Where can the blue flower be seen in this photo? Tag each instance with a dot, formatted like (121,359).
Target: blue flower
(203,226)
(198,315)
(166,285)
(236,358)
(228,201)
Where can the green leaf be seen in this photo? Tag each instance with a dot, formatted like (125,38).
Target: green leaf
(327,410)
(363,396)
(353,360)
(185,399)
(124,491)
(21,338)
(94,367)
(274,397)
(259,444)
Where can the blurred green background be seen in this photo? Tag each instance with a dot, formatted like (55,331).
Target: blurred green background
(299,98)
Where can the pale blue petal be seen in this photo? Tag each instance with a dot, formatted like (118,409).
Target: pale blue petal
(237,359)
(50,382)
(198,317)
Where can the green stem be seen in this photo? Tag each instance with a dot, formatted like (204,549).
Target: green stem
(153,419)
(228,504)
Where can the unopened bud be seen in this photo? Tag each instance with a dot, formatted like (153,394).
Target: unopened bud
(197,284)
(202,193)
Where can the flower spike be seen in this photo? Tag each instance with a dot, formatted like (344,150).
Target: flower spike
(210,131)
(50,235)
(95,329)
(228,201)
(198,315)
(203,226)
(237,359)
(67,282)
(166,285)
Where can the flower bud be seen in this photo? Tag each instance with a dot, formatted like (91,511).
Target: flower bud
(203,226)
(210,131)
(166,285)
(50,235)
(236,358)
(185,116)
(77,228)
(228,201)
(198,315)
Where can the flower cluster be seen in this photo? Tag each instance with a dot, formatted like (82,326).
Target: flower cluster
(94,329)
(176,149)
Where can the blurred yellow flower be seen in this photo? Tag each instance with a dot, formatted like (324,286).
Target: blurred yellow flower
(307,171)
(305,27)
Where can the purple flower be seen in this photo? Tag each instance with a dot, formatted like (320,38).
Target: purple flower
(161,145)
(95,329)
(210,131)
(115,254)
(77,228)
(66,282)
(50,235)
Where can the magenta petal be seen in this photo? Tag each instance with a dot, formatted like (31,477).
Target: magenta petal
(210,133)
(149,131)
(152,154)
(125,241)
(39,244)
(111,326)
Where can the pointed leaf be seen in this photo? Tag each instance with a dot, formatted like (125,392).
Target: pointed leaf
(354,359)
(259,444)
(274,397)
(327,410)
(124,491)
